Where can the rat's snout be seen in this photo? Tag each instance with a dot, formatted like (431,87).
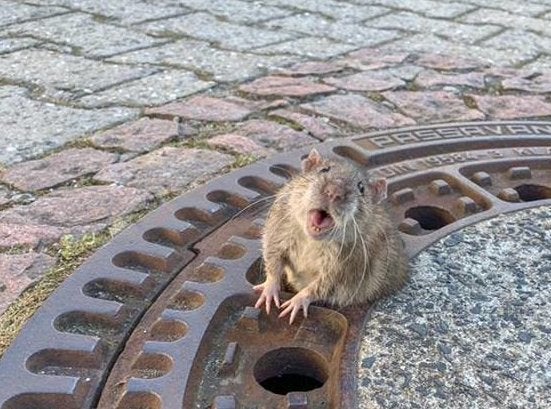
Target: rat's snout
(334,193)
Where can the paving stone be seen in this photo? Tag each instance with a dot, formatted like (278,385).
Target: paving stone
(18,272)
(15,12)
(447,62)
(124,11)
(35,128)
(428,43)
(5,195)
(540,84)
(372,59)
(166,170)
(91,37)
(65,72)
(316,126)
(337,10)
(238,144)
(366,81)
(520,40)
(310,68)
(449,29)
(86,209)
(357,111)
(430,8)
(8,45)
(541,63)
(430,78)
(274,86)
(236,10)
(222,65)
(312,47)
(13,235)
(351,33)
(406,72)
(525,8)
(432,107)
(202,108)
(512,106)
(203,26)
(155,89)
(503,18)
(142,135)
(273,135)
(56,169)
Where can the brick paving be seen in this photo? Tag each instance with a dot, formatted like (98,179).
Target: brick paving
(111,107)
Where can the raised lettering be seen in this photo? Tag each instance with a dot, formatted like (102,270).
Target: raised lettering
(427,135)
(473,131)
(405,137)
(450,133)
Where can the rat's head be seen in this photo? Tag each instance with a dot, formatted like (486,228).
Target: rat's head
(336,192)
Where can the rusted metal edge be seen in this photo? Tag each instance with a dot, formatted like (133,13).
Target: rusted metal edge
(65,353)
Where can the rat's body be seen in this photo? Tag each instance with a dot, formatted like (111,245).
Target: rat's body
(327,232)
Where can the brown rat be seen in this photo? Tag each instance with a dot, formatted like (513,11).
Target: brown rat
(329,234)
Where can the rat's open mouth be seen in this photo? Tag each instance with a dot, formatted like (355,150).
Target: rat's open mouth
(319,222)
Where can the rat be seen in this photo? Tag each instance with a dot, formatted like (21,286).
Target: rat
(328,232)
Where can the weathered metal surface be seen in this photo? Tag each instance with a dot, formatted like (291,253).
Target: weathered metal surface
(161,317)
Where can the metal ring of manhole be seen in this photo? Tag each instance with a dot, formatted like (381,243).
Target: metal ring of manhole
(162,316)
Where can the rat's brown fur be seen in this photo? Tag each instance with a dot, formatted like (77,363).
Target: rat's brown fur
(361,259)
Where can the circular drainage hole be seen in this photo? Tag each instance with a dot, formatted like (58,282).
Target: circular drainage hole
(285,370)
(430,217)
(530,193)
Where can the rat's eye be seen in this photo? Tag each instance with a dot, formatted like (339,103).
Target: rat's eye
(361,187)
(325,169)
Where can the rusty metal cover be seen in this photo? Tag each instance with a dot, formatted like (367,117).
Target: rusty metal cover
(162,316)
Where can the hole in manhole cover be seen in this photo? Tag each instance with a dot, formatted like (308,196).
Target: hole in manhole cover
(162,317)
(287,370)
(430,217)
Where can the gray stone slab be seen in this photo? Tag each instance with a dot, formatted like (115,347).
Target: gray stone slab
(524,8)
(122,11)
(30,128)
(237,10)
(506,19)
(201,56)
(65,72)
(14,12)
(431,8)
(316,25)
(89,36)
(432,44)
(337,10)
(8,45)
(520,40)
(155,89)
(312,47)
(413,22)
(472,327)
(204,26)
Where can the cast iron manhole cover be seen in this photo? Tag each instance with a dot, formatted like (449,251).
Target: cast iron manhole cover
(162,317)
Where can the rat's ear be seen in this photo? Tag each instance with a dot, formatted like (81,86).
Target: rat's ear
(378,189)
(313,160)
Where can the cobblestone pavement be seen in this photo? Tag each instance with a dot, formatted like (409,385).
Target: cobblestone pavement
(108,108)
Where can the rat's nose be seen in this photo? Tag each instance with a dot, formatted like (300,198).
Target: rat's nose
(335,193)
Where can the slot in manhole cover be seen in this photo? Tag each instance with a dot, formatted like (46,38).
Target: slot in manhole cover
(162,316)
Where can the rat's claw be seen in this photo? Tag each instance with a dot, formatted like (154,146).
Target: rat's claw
(294,305)
(269,292)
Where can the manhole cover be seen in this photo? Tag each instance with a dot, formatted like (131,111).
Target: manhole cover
(162,317)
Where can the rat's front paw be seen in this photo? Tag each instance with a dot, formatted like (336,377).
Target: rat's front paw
(300,300)
(269,290)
